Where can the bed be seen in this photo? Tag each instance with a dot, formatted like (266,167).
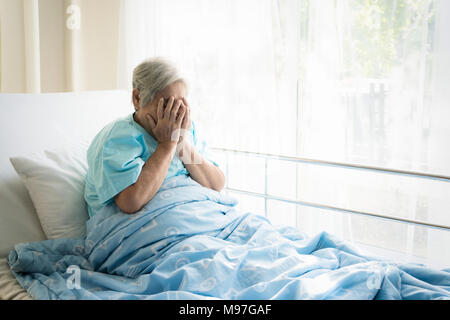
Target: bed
(51,120)
(187,243)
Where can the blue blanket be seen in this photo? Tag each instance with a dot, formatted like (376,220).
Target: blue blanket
(190,242)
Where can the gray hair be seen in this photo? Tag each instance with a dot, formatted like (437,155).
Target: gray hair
(152,76)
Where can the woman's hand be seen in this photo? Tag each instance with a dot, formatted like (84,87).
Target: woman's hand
(186,124)
(166,129)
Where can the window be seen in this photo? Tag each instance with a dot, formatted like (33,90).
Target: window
(363,83)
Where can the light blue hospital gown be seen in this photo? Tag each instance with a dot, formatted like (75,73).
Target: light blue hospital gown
(116,156)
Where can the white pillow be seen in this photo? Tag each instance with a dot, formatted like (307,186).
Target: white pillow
(55,182)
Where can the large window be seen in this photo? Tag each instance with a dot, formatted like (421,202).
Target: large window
(358,82)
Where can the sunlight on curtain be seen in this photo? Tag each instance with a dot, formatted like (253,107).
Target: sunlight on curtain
(376,79)
(236,57)
(365,82)
(375,92)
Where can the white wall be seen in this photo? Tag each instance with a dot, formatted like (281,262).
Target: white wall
(95,54)
(99,43)
(51,25)
(13,52)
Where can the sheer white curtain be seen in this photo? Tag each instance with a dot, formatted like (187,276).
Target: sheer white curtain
(365,82)
(376,77)
(375,91)
(236,57)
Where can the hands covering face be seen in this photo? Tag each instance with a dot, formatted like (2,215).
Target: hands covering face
(173,117)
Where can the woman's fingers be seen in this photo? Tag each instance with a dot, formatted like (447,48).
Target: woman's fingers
(181,115)
(186,119)
(159,110)
(150,120)
(174,112)
(168,108)
(187,122)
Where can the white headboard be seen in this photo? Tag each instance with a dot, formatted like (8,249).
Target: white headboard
(34,122)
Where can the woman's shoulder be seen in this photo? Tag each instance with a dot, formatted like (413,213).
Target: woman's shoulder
(123,126)
(116,129)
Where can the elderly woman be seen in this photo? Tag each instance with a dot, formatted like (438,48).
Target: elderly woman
(131,157)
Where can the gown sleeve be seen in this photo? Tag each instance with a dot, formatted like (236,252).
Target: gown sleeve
(121,163)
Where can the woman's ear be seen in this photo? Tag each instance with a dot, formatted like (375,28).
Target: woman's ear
(136,99)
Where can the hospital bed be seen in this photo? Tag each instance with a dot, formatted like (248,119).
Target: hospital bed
(31,123)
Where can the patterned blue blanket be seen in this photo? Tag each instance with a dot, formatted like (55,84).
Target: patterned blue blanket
(190,242)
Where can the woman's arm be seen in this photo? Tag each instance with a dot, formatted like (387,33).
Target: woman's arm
(201,170)
(166,131)
(133,198)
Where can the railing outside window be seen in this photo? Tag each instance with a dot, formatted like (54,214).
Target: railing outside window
(265,195)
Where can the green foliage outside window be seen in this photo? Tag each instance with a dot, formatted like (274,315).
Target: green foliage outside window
(373,35)
(384,33)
